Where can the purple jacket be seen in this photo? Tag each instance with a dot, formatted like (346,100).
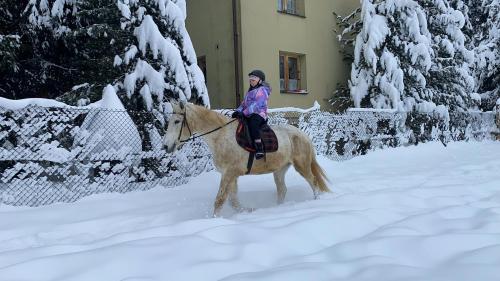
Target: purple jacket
(255,101)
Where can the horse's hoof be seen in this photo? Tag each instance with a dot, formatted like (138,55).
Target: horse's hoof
(247,210)
(317,196)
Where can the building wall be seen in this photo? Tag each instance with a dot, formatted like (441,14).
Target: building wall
(210,26)
(265,33)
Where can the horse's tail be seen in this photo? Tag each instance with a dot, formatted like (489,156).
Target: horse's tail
(319,175)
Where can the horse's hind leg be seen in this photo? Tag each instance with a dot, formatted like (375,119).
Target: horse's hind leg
(279,179)
(305,171)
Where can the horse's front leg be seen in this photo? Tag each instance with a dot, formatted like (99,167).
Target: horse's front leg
(233,194)
(233,197)
(224,187)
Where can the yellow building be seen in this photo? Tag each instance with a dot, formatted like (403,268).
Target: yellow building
(292,41)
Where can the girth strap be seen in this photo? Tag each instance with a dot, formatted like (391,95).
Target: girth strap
(251,156)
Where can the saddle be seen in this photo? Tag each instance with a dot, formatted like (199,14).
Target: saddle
(269,140)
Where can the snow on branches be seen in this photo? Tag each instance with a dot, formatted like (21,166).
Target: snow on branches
(141,47)
(414,55)
(392,55)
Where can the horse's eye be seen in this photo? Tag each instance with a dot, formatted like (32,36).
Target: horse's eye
(177,122)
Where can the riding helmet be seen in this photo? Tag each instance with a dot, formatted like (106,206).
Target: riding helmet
(258,73)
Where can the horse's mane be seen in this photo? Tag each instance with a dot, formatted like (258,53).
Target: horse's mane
(212,117)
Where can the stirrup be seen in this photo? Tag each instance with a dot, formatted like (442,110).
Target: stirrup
(259,155)
(259,150)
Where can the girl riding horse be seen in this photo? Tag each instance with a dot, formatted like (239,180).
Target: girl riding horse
(254,108)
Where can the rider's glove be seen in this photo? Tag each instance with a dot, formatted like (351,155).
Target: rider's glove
(237,114)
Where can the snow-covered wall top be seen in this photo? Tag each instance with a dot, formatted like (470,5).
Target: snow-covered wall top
(18,104)
(316,106)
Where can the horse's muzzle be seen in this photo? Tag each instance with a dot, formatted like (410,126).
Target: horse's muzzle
(168,149)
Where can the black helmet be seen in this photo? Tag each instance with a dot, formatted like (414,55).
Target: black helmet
(258,73)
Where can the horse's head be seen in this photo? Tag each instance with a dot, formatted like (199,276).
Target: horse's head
(177,128)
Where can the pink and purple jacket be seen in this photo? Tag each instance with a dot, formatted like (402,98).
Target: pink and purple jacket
(255,101)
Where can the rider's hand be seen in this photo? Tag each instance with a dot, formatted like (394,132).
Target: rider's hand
(237,114)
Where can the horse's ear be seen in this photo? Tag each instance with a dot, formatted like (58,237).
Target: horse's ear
(182,104)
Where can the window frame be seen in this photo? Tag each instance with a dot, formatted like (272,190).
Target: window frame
(299,8)
(301,85)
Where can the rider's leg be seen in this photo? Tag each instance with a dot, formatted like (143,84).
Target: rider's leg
(255,122)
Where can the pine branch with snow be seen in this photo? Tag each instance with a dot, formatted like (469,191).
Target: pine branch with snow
(348,27)
(161,59)
(392,56)
(485,19)
(414,55)
(25,67)
(142,48)
(450,78)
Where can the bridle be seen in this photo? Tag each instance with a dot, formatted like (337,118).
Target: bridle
(191,135)
(184,122)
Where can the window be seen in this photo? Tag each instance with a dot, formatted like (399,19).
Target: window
(293,7)
(291,78)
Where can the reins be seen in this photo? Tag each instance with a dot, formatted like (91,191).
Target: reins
(191,137)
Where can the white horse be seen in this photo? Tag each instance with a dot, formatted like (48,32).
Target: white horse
(295,148)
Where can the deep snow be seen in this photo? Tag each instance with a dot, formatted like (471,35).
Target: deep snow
(415,213)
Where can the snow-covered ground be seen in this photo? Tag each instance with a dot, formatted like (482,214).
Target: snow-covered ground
(416,213)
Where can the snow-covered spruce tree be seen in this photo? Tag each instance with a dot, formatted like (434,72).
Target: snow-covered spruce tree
(484,32)
(9,49)
(160,62)
(140,47)
(9,38)
(392,56)
(9,45)
(450,79)
(46,63)
(28,57)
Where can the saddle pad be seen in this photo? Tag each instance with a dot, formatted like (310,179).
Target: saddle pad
(268,136)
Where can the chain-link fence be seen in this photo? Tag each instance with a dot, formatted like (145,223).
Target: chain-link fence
(342,137)
(62,154)
(52,155)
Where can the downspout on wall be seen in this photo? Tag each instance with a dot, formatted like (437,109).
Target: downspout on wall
(237,50)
